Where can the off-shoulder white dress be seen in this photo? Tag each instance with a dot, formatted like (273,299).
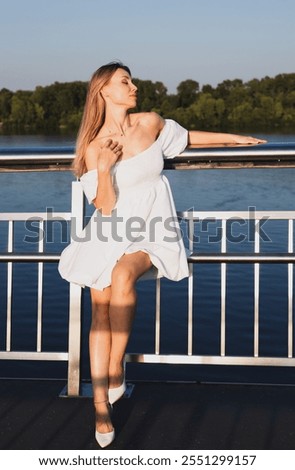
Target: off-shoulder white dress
(143,219)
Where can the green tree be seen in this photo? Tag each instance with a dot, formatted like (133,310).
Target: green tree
(5,103)
(264,104)
(150,95)
(241,116)
(209,111)
(225,88)
(187,93)
(23,112)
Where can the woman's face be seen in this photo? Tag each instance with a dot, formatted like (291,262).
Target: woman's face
(120,90)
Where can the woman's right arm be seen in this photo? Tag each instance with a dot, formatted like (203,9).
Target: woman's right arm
(103,159)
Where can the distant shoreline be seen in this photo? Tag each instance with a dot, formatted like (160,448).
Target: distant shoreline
(256,106)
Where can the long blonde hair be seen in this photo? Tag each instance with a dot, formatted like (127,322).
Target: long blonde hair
(94,113)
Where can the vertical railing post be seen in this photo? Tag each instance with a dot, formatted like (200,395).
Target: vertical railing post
(191,229)
(158,316)
(223,289)
(290,288)
(40,287)
(9,287)
(75,299)
(256,287)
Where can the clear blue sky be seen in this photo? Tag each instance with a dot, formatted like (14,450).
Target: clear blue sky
(43,41)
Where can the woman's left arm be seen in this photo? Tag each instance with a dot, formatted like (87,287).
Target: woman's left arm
(216,138)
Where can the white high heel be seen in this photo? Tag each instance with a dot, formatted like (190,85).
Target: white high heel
(116,393)
(104,439)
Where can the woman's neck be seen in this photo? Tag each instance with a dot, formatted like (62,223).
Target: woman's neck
(116,122)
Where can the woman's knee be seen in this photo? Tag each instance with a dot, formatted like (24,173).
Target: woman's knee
(127,270)
(122,277)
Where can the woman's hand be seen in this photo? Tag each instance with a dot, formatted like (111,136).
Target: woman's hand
(108,155)
(247,140)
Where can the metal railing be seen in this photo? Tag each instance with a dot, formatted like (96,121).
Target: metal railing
(198,158)
(262,156)
(72,356)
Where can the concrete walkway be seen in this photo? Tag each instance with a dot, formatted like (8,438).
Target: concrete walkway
(156,416)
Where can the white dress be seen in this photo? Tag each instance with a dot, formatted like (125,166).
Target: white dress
(143,219)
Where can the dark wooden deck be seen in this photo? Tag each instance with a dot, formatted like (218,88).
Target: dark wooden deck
(156,416)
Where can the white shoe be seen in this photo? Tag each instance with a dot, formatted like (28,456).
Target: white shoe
(116,393)
(104,439)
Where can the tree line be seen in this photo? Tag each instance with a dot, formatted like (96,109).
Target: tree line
(267,104)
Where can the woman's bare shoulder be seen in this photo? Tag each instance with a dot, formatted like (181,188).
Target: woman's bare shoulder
(150,120)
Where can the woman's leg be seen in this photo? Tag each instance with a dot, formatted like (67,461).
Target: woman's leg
(99,350)
(112,316)
(122,309)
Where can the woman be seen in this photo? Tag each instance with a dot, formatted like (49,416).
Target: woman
(119,161)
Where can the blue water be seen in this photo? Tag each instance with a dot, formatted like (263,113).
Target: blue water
(265,189)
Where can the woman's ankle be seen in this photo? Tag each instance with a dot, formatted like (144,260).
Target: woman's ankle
(116,375)
(103,423)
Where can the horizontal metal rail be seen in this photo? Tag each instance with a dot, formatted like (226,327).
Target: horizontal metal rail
(241,258)
(35,216)
(196,216)
(270,155)
(34,356)
(228,360)
(29,257)
(193,258)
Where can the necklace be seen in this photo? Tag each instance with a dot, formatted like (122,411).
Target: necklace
(111,132)
(121,131)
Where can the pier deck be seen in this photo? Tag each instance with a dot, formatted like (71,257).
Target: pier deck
(156,416)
